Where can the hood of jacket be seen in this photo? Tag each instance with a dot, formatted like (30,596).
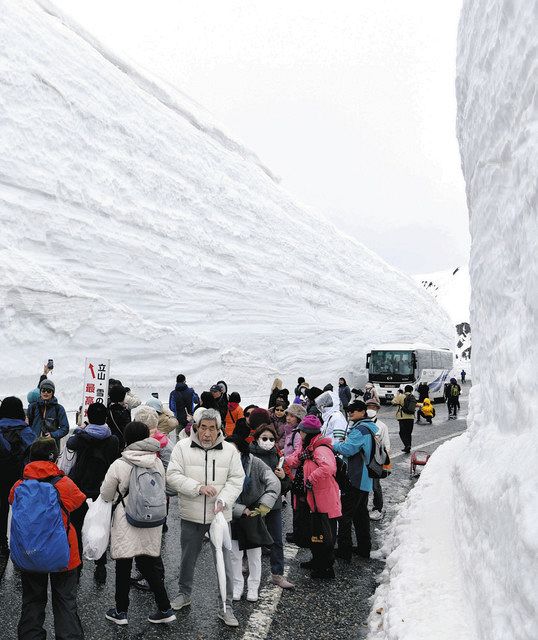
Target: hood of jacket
(41,469)
(142,453)
(329,404)
(426,402)
(161,438)
(12,423)
(95,431)
(181,387)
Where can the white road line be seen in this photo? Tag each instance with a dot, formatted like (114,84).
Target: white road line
(260,619)
(427,444)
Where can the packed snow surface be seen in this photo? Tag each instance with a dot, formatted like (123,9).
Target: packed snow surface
(134,228)
(485,481)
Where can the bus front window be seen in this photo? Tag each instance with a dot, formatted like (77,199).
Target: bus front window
(391,362)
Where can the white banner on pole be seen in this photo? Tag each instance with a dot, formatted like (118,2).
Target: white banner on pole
(96,377)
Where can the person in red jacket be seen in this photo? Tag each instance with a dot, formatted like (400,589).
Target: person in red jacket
(43,456)
(316,487)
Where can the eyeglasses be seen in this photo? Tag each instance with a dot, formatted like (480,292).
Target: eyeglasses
(280,410)
(265,439)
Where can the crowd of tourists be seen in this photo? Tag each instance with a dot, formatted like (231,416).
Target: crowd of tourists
(321,450)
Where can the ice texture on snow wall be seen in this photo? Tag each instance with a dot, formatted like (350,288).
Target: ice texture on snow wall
(135,229)
(496,492)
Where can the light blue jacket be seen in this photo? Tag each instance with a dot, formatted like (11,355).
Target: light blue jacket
(356,448)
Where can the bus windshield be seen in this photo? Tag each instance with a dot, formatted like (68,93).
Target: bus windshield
(391,363)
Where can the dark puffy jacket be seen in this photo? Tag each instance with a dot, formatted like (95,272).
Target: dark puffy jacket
(181,402)
(48,417)
(423,391)
(15,440)
(118,418)
(344,393)
(271,459)
(94,457)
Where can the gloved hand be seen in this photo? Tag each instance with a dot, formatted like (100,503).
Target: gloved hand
(261,510)
(308,485)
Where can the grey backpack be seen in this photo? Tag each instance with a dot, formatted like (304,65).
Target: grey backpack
(145,506)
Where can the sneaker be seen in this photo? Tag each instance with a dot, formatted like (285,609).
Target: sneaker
(142,585)
(376,515)
(162,617)
(180,601)
(281,582)
(237,595)
(252,595)
(100,574)
(228,617)
(118,617)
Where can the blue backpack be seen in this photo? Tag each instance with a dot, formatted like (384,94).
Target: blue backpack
(38,541)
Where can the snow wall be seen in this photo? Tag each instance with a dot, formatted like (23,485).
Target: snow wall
(132,227)
(463,552)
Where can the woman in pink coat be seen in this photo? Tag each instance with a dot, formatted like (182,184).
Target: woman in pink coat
(315,489)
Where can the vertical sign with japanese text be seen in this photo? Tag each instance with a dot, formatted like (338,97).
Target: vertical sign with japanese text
(96,377)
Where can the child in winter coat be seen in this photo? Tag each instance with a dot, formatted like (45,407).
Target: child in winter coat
(42,467)
(426,411)
(128,542)
(235,412)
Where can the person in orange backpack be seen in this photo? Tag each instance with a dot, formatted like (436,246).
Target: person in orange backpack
(234,412)
(42,468)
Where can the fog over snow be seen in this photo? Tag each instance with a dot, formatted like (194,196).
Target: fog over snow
(463,553)
(134,227)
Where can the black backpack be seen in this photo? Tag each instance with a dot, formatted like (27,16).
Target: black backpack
(119,418)
(409,404)
(90,468)
(13,460)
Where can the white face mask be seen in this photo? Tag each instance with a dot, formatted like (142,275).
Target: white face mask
(371,413)
(265,444)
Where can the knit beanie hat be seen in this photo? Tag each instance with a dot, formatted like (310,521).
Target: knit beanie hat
(47,384)
(156,404)
(97,413)
(296,410)
(33,395)
(234,397)
(11,407)
(258,417)
(310,424)
(117,393)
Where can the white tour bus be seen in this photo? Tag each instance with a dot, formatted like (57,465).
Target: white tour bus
(392,366)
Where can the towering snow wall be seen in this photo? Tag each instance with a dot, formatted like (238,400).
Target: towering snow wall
(496,493)
(133,228)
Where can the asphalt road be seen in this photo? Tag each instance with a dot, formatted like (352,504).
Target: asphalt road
(314,609)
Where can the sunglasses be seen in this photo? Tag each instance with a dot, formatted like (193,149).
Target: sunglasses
(265,439)
(46,390)
(280,410)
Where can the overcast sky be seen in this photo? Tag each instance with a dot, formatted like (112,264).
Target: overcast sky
(351,103)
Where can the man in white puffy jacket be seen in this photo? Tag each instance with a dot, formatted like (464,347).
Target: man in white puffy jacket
(207,473)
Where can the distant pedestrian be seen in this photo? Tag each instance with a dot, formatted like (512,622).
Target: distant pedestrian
(42,486)
(167,421)
(334,421)
(131,400)
(276,390)
(221,401)
(119,414)
(47,417)
(235,412)
(463,376)
(181,401)
(405,414)
(369,392)
(452,396)
(301,384)
(423,391)
(372,409)
(344,392)
(278,421)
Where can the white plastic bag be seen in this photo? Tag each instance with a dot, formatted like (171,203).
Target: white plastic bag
(66,460)
(96,528)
